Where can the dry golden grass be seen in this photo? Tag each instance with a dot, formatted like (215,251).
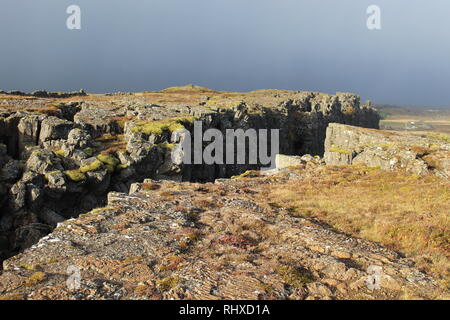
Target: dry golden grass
(189,88)
(404,212)
(49,110)
(121,121)
(189,95)
(35,278)
(150,186)
(112,143)
(14,97)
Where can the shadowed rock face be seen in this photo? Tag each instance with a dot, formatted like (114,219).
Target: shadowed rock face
(422,155)
(59,157)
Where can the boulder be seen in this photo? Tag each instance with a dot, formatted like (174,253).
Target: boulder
(283,161)
(124,157)
(53,128)
(17,196)
(79,138)
(35,197)
(43,161)
(169,166)
(56,184)
(421,155)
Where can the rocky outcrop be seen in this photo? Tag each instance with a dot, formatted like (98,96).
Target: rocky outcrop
(283,161)
(422,155)
(98,185)
(311,113)
(60,159)
(168,240)
(53,128)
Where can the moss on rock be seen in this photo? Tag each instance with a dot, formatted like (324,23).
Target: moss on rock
(75,175)
(93,166)
(166,125)
(108,159)
(340,150)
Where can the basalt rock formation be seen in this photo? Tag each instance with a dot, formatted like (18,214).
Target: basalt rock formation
(60,154)
(419,154)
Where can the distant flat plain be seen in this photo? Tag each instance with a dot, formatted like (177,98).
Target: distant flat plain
(415,119)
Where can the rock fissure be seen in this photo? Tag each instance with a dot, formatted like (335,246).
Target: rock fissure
(61,159)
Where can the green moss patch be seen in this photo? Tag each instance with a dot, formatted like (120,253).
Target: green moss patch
(89,151)
(28,267)
(108,159)
(293,276)
(247,174)
(75,175)
(93,166)
(339,150)
(166,125)
(165,145)
(122,166)
(60,153)
(167,283)
(35,278)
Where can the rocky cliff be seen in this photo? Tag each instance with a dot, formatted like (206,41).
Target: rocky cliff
(419,154)
(61,154)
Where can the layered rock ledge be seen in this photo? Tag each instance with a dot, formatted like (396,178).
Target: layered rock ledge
(419,154)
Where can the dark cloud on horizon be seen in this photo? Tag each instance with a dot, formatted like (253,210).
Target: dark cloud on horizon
(241,45)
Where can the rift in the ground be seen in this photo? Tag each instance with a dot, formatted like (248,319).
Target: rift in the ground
(61,153)
(323,224)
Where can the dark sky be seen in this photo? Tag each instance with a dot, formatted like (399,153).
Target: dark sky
(241,45)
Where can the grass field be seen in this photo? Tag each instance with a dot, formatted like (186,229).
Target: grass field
(403,212)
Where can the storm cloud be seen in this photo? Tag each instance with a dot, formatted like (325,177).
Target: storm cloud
(241,45)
